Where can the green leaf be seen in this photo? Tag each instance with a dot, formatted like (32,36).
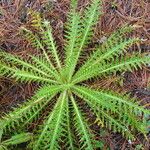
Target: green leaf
(72,43)
(123,107)
(70,138)
(18,139)
(84,32)
(49,42)
(113,50)
(52,128)
(42,64)
(82,128)
(30,109)
(36,43)
(124,64)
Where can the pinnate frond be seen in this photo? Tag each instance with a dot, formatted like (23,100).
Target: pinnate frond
(90,18)
(110,53)
(72,42)
(118,105)
(69,133)
(16,60)
(52,129)
(49,42)
(113,47)
(37,43)
(83,131)
(30,109)
(14,66)
(84,33)
(41,63)
(22,75)
(119,64)
(116,37)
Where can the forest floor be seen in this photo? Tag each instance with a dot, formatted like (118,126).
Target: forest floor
(13,15)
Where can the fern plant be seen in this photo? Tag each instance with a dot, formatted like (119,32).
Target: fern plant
(62,84)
